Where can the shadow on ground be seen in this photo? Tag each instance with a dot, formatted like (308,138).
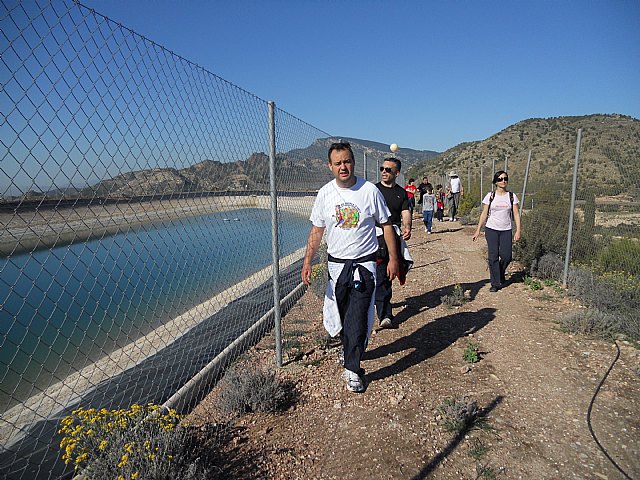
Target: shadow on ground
(455,441)
(428,340)
(432,298)
(227,459)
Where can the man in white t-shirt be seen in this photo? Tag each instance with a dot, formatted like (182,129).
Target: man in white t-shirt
(347,208)
(455,191)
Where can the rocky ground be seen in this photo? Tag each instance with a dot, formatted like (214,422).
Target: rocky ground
(533,385)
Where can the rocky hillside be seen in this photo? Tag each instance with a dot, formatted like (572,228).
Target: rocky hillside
(297,170)
(609,160)
(609,151)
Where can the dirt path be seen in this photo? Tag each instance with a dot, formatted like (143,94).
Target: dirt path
(533,383)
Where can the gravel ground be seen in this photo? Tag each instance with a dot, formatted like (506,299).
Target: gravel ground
(533,386)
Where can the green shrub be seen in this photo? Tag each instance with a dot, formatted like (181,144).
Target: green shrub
(455,298)
(590,322)
(458,414)
(544,230)
(621,255)
(471,354)
(472,217)
(549,267)
(613,292)
(248,388)
(469,201)
(532,283)
(486,472)
(478,449)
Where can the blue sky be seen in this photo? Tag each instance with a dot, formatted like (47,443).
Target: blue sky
(423,74)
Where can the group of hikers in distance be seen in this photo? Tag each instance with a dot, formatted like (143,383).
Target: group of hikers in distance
(367,226)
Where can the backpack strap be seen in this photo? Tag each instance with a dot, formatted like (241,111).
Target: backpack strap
(511,199)
(491,197)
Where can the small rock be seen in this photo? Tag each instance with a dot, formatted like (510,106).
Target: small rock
(465,369)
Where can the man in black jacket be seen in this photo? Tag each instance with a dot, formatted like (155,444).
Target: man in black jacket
(398,204)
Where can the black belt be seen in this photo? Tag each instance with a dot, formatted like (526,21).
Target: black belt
(367,258)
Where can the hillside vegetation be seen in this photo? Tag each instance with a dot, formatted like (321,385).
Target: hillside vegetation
(609,152)
(609,160)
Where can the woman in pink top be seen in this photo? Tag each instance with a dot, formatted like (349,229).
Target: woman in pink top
(499,208)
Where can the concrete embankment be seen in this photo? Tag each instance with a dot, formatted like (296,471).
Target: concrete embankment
(53,401)
(36,229)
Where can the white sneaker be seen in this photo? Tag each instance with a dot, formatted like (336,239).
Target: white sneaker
(425,229)
(385,322)
(355,383)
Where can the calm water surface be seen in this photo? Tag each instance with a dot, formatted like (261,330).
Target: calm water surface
(63,308)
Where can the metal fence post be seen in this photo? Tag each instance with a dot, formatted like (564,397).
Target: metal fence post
(571,208)
(274,233)
(481,187)
(365,165)
(526,178)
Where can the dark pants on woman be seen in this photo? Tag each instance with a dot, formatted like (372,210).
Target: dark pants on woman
(499,244)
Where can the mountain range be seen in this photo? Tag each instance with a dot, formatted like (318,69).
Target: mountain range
(302,169)
(609,150)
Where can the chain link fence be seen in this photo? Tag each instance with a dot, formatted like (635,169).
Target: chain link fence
(593,248)
(136,223)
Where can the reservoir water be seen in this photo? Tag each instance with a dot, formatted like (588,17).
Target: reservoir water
(63,308)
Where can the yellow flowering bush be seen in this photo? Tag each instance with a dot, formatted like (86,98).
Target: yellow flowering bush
(143,441)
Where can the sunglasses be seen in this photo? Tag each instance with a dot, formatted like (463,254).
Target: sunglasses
(503,179)
(386,169)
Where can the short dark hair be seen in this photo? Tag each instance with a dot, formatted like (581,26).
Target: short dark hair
(340,146)
(394,160)
(497,174)
(412,180)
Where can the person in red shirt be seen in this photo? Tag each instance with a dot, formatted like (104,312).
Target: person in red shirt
(411,192)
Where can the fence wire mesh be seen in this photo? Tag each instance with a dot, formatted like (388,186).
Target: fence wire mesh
(604,246)
(136,224)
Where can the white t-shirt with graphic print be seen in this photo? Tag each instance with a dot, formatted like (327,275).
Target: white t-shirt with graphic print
(349,216)
(500,211)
